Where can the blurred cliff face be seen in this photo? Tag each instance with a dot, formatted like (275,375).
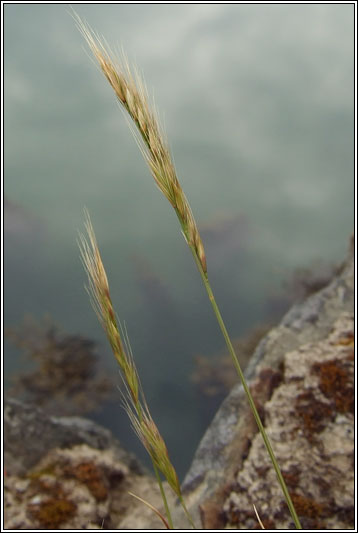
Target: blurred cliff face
(65,378)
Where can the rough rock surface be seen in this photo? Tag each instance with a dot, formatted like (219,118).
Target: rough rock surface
(313,343)
(25,423)
(309,420)
(70,473)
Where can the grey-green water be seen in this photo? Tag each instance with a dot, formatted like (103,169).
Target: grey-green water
(257,102)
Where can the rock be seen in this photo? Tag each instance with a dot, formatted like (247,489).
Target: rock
(70,473)
(309,420)
(230,468)
(41,433)
(68,489)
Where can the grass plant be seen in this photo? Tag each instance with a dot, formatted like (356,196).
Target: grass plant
(134,399)
(132,95)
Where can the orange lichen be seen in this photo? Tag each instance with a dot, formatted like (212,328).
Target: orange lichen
(91,476)
(292,477)
(312,413)
(248,518)
(53,512)
(267,523)
(309,510)
(236,517)
(306,506)
(336,384)
(346,340)
(46,484)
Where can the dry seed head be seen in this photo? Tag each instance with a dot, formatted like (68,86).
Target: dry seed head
(134,400)
(132,94)
(148,433)
(102,303)
(98,289)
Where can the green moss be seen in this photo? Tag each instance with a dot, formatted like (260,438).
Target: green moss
(47,471)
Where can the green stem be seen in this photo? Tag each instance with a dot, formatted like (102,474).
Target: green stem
(187,512)
(236,363)
(164,498)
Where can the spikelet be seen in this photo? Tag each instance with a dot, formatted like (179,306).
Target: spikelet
(132,95)
(149,435)
(134,400)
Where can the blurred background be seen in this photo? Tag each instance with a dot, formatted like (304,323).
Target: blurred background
(257,103)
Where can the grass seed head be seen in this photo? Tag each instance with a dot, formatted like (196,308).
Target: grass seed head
(134,400)
(149,435)
(98,290)
(132,95)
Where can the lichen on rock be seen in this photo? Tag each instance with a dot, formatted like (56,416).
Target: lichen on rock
(312,437)
(73,474)
(301,377)
(70,474)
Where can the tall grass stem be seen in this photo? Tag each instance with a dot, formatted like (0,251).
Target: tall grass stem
(204,277)
(132,95)
(133,395)
(164,498)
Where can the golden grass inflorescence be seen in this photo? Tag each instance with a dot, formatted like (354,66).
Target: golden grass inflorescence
(98,290)
(133,96)
(135,402)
